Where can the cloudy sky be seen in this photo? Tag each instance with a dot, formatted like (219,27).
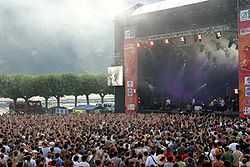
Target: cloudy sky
(46,36)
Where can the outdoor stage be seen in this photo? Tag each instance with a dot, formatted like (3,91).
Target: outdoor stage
(180,52)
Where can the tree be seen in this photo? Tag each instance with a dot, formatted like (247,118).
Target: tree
(87,85)
(72,85)
(53,85)
(41,85)
(12,88)
(27,86)
(102,87)
(56,86)
(3,85)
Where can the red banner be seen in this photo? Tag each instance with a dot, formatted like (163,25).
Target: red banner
(244,63)
(130,75)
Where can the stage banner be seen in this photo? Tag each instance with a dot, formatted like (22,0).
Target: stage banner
(130,72)
(244,60)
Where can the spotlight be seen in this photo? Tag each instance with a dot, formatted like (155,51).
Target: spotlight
(199,37)
(183,39)
(218,35)
(166,41)
(151,43)
(236,91)
(138,44)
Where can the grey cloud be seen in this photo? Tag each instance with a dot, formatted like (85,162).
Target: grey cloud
(56,35)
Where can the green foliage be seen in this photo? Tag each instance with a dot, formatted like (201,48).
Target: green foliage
(27,88)
(71,84)
(53,85)
(12,87)
(3,85)
(42,87)
(102,87)
(87,84)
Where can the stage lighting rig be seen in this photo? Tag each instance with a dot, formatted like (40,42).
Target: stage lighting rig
(236,91)
(151,43)
(166,41)
(199,37)
(218,35)
(138,44)
(183,39)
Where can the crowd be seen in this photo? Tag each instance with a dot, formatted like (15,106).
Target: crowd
(124,140)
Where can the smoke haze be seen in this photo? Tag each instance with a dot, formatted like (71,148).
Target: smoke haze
(46,36)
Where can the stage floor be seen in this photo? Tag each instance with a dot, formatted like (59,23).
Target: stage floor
(231,114)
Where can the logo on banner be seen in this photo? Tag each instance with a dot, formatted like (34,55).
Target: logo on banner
(245,15)
(247,80)
(247,110)
(130,84)
(247,91)
(130,92)
(131,107)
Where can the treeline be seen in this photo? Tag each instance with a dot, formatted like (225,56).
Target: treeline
(53,85)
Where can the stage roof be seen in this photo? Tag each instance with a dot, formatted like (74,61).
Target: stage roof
(163,5)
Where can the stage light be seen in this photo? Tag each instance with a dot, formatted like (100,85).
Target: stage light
(236,91)
(218,35)
(199,37)
(166,41)
(138,44)
(183,39)
(151,43)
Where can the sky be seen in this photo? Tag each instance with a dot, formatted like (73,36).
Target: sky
(48,36)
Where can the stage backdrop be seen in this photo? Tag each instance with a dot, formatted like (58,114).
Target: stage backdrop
(130,72)
(244,64)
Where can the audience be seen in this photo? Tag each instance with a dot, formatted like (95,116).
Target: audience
(124,140)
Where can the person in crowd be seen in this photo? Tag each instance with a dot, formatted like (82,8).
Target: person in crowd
(123,140)
(151,159)
(228,157)
(237,155)
(218,162)
(170,162)
(58,160)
